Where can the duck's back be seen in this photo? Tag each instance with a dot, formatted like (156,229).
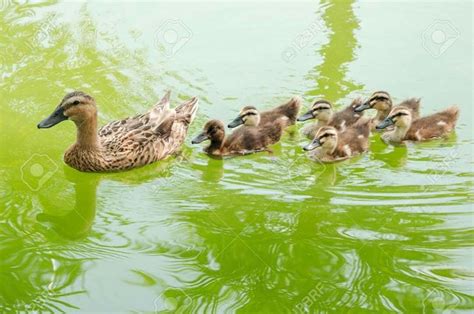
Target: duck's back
(347,116)
(247,139)
(139,140)
(433,126)
(354,140)
(289,111)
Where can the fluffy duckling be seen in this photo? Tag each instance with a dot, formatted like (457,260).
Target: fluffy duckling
(323,111)
(122,144)
(244,140)
(382,102)
(250,116)
(406,128)
(332,145)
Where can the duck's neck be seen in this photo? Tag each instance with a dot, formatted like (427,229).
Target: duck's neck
(381,115)
(87,137)
(215,146)
(397,135)
(324,152)
(320,124)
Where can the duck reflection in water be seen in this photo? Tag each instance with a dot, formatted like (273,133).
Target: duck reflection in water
(77,222)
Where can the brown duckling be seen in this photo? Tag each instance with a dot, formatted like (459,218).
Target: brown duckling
(244,140)
(332,145)
(382,102)
(406,128)
(323,111)
(250,116)
(122,144)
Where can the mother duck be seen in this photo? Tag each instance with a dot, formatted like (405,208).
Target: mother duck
(123,144)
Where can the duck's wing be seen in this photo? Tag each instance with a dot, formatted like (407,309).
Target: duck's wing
(153,117)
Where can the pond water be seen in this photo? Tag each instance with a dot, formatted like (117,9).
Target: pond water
(390,231)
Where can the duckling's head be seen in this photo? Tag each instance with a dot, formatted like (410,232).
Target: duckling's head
(76,106)
(213,130)
(248,116)
(399,116)
(380,101)
(326,138)
(321,109)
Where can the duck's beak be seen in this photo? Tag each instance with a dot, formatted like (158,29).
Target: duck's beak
(308,115)
(200,138)
(362,107)
(385,123)
(314,144)
(236,122)
(56,117)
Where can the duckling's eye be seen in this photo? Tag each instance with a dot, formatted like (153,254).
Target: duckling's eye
(76,102)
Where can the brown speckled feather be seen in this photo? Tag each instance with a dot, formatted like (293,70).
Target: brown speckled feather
(136,141)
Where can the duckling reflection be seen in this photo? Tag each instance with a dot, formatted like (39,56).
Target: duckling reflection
(78,221)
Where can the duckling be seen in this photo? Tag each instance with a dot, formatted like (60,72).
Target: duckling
(407,128)
(382,102)
(124,144)
(250,116)
(336,146)
(244,140)
(323,111)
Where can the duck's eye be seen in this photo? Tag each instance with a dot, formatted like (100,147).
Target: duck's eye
(76,102)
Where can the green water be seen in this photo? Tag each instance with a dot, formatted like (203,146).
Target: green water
(390,231)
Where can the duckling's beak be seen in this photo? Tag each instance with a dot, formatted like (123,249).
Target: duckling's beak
(200,138)
(314,144)
(56,117)
(362,107)
(236,122)
(308,115)
(385,123)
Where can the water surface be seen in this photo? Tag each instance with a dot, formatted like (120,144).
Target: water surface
(390,231)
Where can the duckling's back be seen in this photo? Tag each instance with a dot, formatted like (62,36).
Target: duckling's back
(433,126)
(289,110)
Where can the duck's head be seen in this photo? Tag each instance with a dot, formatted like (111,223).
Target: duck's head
(321,109)
(248,116)
(380,101)
(76,106)
(213,130)
(399,116)
(326,138)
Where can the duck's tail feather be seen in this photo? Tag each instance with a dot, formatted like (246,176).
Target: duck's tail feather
(453,111)
(159,110)
(189,108)
(291,108)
